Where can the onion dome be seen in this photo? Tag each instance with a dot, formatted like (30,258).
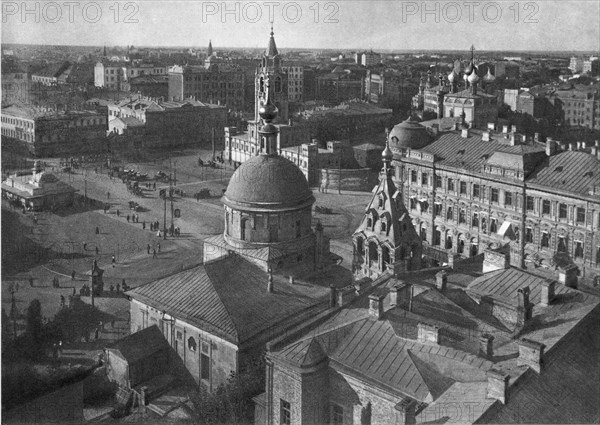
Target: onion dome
(268,111)
(387,155)
(489,77)
(408,134)
(473,78)
(469,68)
(452,76)
(466,77)
(268,182)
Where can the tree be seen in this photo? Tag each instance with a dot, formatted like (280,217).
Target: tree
(33,330)
(232,402)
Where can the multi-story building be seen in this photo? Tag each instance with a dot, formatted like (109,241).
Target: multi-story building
(340,85)
(109,75)
(218,85)
(15,83)
(295,77)
(148,85)
(469,190)
(367,59)
(52,75)
(170,122)
(48,132)
(579,106)
(576,64)
(591,66)
(507,69)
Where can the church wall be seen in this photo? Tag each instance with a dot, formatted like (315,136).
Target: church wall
(259,226)
(222,355)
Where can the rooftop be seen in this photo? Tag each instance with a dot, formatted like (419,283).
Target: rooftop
(228,297)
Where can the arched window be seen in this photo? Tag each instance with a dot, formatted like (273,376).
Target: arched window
(243,228)
(449,215)
(262,85)
(461,217)
(192,344)
(385,255)
(373,252)
(360,247)
(384,227)
(278,84)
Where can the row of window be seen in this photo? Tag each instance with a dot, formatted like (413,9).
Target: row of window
(17,122)
(336,417)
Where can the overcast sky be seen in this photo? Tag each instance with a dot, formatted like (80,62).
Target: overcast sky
(343,24)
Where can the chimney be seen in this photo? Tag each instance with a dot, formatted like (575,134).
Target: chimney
(579,146)
(597,143)
(465,133)
(495,260)
(497,385)
(568,275)
(408,411)
(270,282)
(486,346)
(531,353)
(547,292)
(376,306)
(513,129)
(485,137)
(394,296)
(491,126)
(291,278)
(594,151)
(428,333)
(524,308)
(332,296)
(441,280)
(536,137)
(456,126)
(571,146)
(550,147)
(505,129)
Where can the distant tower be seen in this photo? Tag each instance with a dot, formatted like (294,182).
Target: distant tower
(210,48)
(104,50)
(386,238)
(270,70)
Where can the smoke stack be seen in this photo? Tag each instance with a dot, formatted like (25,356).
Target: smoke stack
(428,333)
(332,296)
(531,353)
(441,280)
(486,346)
(547,292)
(497,385)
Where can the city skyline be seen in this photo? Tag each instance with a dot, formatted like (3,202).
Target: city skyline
(387,26)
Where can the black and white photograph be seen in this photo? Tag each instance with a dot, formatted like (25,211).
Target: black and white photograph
(306,212)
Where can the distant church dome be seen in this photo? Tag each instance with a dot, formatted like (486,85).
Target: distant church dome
(452,76)
(387,154)
(489,77)
(269,182)
(408,134)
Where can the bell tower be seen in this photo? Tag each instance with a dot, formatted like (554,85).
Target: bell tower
(270,71)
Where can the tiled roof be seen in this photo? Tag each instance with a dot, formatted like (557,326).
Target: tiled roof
(141,344)
(228,297)
(569,171)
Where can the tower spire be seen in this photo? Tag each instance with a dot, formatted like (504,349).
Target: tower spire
(272,48)
(210,48)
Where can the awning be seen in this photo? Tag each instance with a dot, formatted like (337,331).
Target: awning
(506,229)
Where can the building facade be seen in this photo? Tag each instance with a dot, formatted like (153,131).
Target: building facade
(470,190)
(295,77)
(47,132)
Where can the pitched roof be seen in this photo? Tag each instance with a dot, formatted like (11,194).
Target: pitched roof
(227,297)
(141,344)
(569,171)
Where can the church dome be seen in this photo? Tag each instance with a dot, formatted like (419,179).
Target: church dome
(489,77)
(268,182)
(408,134)
(473,78)
(452,76)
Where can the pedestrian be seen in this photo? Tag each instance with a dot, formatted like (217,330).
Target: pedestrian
(62,301)
(73,275)
(97,230)
(107,195)
(143,225)
(113,260)
(118,213)
(154,185)
(148,248)
(97,250)
(127,218)
(85,246)
(159,247)
(154,253)
(96,333)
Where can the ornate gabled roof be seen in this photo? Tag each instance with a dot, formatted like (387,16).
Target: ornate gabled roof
(386,205)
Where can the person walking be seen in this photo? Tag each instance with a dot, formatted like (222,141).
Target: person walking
(148,248)
(118,213)
(159,247)
(97,230)
(143,225)
(113,260)
(97,250)
(127,218)
(107,195)
(154,253)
